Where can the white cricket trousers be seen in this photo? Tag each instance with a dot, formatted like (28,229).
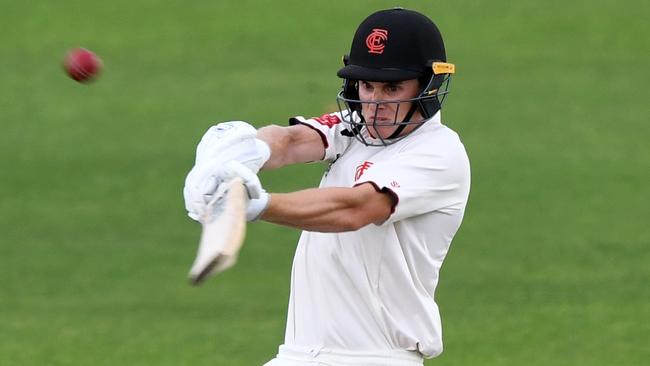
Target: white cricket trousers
(295,356)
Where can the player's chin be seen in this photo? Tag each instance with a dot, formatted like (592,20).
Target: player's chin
(381,132)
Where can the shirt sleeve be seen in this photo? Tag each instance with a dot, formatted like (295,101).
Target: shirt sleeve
(335,135)
(421,183)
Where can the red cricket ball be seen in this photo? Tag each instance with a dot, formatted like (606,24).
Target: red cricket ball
(82,65)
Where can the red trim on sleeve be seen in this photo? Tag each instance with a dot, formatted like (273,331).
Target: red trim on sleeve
(385,190)
(295,121)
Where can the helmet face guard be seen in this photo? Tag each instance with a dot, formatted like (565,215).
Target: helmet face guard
(428,102)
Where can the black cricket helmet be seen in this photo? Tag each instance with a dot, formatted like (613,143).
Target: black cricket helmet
(395,45)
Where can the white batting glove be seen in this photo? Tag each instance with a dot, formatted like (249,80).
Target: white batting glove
(258,198)
(201,184)
(234,140)
(257,206)
(203,181)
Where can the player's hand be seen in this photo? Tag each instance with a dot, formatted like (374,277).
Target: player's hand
(203,182)
(234,140)
(258,198)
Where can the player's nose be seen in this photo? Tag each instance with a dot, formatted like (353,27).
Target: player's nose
(373,106)
(376,98)
(376,95)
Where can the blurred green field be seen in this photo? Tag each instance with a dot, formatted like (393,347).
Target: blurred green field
(551,266)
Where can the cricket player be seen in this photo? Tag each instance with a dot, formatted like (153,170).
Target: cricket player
(376,231)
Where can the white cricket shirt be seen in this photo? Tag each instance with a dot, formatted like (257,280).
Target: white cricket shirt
(374,289)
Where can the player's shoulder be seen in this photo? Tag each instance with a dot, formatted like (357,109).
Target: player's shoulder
(433,137)
(439,145)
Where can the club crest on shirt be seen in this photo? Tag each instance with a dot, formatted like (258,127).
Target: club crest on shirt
(361,169)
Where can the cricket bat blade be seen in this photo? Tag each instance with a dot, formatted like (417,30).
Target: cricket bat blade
(223,232)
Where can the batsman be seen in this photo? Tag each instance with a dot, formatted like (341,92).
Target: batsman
(377,229)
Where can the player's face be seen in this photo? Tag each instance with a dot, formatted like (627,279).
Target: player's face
(384,116)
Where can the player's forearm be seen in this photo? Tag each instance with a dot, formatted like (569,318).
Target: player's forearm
(290,145)
(329,209)
(278,140)
(318,209)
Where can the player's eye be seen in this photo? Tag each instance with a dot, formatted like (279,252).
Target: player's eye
(393,88)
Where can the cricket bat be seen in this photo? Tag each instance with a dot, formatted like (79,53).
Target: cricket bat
(223,231)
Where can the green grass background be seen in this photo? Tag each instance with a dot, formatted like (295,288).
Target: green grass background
(552,263)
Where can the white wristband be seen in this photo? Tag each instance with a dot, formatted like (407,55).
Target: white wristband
(257,206)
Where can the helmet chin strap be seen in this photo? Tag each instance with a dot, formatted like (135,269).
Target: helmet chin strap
(401,127)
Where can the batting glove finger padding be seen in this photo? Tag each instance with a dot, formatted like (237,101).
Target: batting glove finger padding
(201,184)
(220,137)
(258,198)
(250,179)
(227,141)
(233,140)
(204,184)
